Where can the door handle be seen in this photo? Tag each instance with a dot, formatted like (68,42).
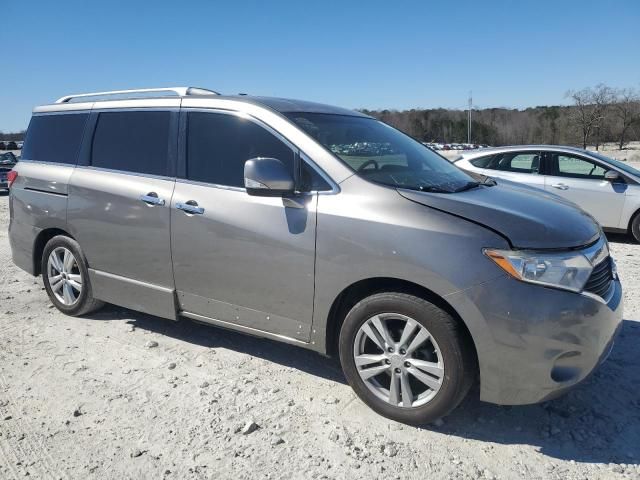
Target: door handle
(190,207)
(151,198)
(560,186)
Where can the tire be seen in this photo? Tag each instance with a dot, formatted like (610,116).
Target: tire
(635,227)
(67,276)
(446,353)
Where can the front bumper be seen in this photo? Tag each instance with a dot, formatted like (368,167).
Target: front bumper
(538,342)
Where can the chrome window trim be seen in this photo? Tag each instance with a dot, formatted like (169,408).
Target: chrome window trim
(212,185)
(335,189)
(43,162)
(124,172)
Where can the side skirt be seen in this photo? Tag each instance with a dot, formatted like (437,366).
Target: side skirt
(243,329)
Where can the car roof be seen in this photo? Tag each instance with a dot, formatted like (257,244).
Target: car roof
(173,95)
(511,148)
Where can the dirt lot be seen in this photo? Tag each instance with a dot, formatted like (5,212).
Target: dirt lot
(125,395)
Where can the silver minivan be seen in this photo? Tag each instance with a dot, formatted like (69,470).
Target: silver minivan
(319,227)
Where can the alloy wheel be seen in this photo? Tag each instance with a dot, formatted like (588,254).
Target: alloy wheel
(64,276)
(398,360)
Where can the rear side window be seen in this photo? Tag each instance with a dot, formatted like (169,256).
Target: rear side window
(518,162)
(218,145)
(55,138)
(134,141)
(482,162)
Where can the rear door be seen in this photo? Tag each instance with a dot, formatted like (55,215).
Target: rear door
(581,180)
(237,258)
(522,167)
(119,207)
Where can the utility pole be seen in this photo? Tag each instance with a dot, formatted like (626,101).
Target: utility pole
(469,118)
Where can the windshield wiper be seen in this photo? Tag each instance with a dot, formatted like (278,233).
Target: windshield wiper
(432,189)
(467,186)
(489,182)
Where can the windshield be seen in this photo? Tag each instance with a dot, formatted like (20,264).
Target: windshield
(382,154)
(617,163)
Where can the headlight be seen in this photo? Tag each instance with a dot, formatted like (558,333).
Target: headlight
(566,270)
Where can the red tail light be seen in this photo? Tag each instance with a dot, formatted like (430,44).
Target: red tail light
(11,177)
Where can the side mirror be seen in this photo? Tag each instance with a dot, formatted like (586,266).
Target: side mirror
(267,177)
(611,176)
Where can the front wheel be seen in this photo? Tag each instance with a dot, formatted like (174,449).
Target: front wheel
(406,358)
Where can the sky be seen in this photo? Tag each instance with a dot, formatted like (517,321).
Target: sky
(356,54)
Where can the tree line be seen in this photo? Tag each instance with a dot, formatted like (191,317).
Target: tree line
(599,114)
(12,136)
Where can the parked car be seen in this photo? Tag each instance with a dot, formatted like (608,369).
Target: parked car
(7,162)
(243,213)
(607,189)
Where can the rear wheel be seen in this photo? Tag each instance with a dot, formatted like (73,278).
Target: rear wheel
(66,278)
(405,357)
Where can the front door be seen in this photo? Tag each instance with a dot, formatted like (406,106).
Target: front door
(238,258)
(582,181)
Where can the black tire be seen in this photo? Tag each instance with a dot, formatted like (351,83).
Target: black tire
(455,347)
(85,302)
(635,227)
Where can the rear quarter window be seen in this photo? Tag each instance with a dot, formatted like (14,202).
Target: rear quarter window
(55,138)
(481,162)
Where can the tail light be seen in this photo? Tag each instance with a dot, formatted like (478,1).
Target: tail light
(11,177)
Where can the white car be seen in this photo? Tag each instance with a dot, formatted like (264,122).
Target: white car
(607,189)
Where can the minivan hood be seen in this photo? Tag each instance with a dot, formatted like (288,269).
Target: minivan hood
(528,217)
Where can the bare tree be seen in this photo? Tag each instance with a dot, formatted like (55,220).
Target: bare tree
(591,106)
(626,109)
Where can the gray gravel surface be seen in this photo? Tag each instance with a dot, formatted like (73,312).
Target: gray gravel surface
(87,398)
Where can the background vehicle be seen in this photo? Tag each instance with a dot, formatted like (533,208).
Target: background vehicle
(319,227)
(7,162)
(607,189)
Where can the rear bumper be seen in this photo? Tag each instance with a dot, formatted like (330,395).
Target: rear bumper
(539,342)
(21,240)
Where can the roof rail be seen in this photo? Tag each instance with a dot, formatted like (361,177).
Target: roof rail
(179,91)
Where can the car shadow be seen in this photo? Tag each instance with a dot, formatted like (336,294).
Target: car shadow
(620,238)
(597,422)
(209,336)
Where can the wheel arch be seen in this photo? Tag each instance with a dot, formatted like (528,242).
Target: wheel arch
(41,240)
(632,218)
(370,286)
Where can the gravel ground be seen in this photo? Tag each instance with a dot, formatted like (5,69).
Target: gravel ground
(126,395)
